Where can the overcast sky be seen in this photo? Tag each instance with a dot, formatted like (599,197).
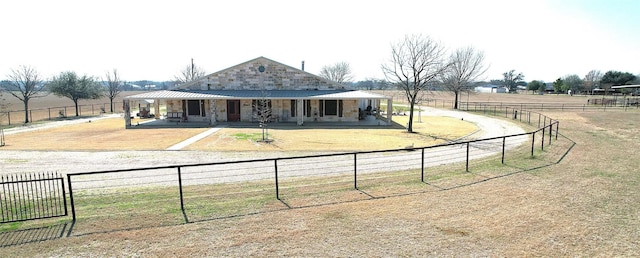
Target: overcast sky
(154,40)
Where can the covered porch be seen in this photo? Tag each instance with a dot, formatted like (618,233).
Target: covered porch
(179,108)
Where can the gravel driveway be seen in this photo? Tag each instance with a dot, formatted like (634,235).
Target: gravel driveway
(68,162)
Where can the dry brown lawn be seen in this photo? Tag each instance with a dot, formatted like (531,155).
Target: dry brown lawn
(587,205)
(432,130)
(109,134)
(99,135)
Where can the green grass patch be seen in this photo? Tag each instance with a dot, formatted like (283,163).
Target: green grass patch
(250,136)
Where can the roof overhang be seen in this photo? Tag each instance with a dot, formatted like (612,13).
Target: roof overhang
(257,94)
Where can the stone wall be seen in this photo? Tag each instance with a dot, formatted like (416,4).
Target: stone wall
(276,76)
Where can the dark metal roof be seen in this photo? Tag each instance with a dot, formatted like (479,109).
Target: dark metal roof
(257,94)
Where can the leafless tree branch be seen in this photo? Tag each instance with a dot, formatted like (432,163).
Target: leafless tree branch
(466,65)
(339,72)
(414,64)
(25,84)
(114,86)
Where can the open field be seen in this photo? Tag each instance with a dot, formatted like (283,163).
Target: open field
(588,204)
(51,100)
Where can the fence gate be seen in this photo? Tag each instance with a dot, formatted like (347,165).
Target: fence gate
(32,196)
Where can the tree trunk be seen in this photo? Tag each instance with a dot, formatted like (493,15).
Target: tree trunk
(26,110)
(410,124)
(111,104)
(75,101)
(455,104)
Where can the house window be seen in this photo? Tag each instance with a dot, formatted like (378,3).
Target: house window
(307,108)
(294,107)
(193,107)
(331,107)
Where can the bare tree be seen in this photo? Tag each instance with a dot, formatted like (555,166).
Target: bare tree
(190,73)
(415,62)
(114,86)
(466,65)
(339,72)
(25,84)
(263,113)
(592,80)
(3,105)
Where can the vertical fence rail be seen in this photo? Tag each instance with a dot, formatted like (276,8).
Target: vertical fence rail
(180,189)
(32,196)
(275,166)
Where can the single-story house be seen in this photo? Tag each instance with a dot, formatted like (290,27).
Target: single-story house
(290,94)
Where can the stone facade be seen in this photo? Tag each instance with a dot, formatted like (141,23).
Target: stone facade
(276,76)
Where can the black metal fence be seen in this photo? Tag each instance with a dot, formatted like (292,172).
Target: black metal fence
(228,188)
(32,196)
(183,185)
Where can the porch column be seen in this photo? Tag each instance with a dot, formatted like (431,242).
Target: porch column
(127,113)
(389,111)
(212,112)
(300,111)
(156,108)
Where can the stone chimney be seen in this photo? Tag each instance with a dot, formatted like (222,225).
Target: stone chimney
(302,65)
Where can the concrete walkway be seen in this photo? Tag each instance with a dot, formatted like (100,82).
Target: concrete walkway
(196,138)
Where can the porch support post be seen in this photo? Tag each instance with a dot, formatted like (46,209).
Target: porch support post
(156,108)
(300,111)
(212,112)
(389,111)
(127,114)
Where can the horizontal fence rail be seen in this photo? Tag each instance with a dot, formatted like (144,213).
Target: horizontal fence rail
(32,196)
(187,182)
(195,189)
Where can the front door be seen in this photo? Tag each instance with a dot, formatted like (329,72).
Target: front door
(233,110)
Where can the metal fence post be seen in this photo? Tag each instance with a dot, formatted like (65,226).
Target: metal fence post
(422,167)
(275,166)
(542,139)
(180,187)
(504,141)
(467,166)
(557,129)
(71,202)
(550,133)
(64,199)
(533,140)
(355,171)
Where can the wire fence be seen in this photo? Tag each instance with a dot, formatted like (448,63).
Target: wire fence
(169,195)
(53,113)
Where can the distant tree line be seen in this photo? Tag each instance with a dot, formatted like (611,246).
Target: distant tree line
(25,83)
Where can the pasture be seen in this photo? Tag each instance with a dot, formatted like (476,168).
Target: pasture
(587,204)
